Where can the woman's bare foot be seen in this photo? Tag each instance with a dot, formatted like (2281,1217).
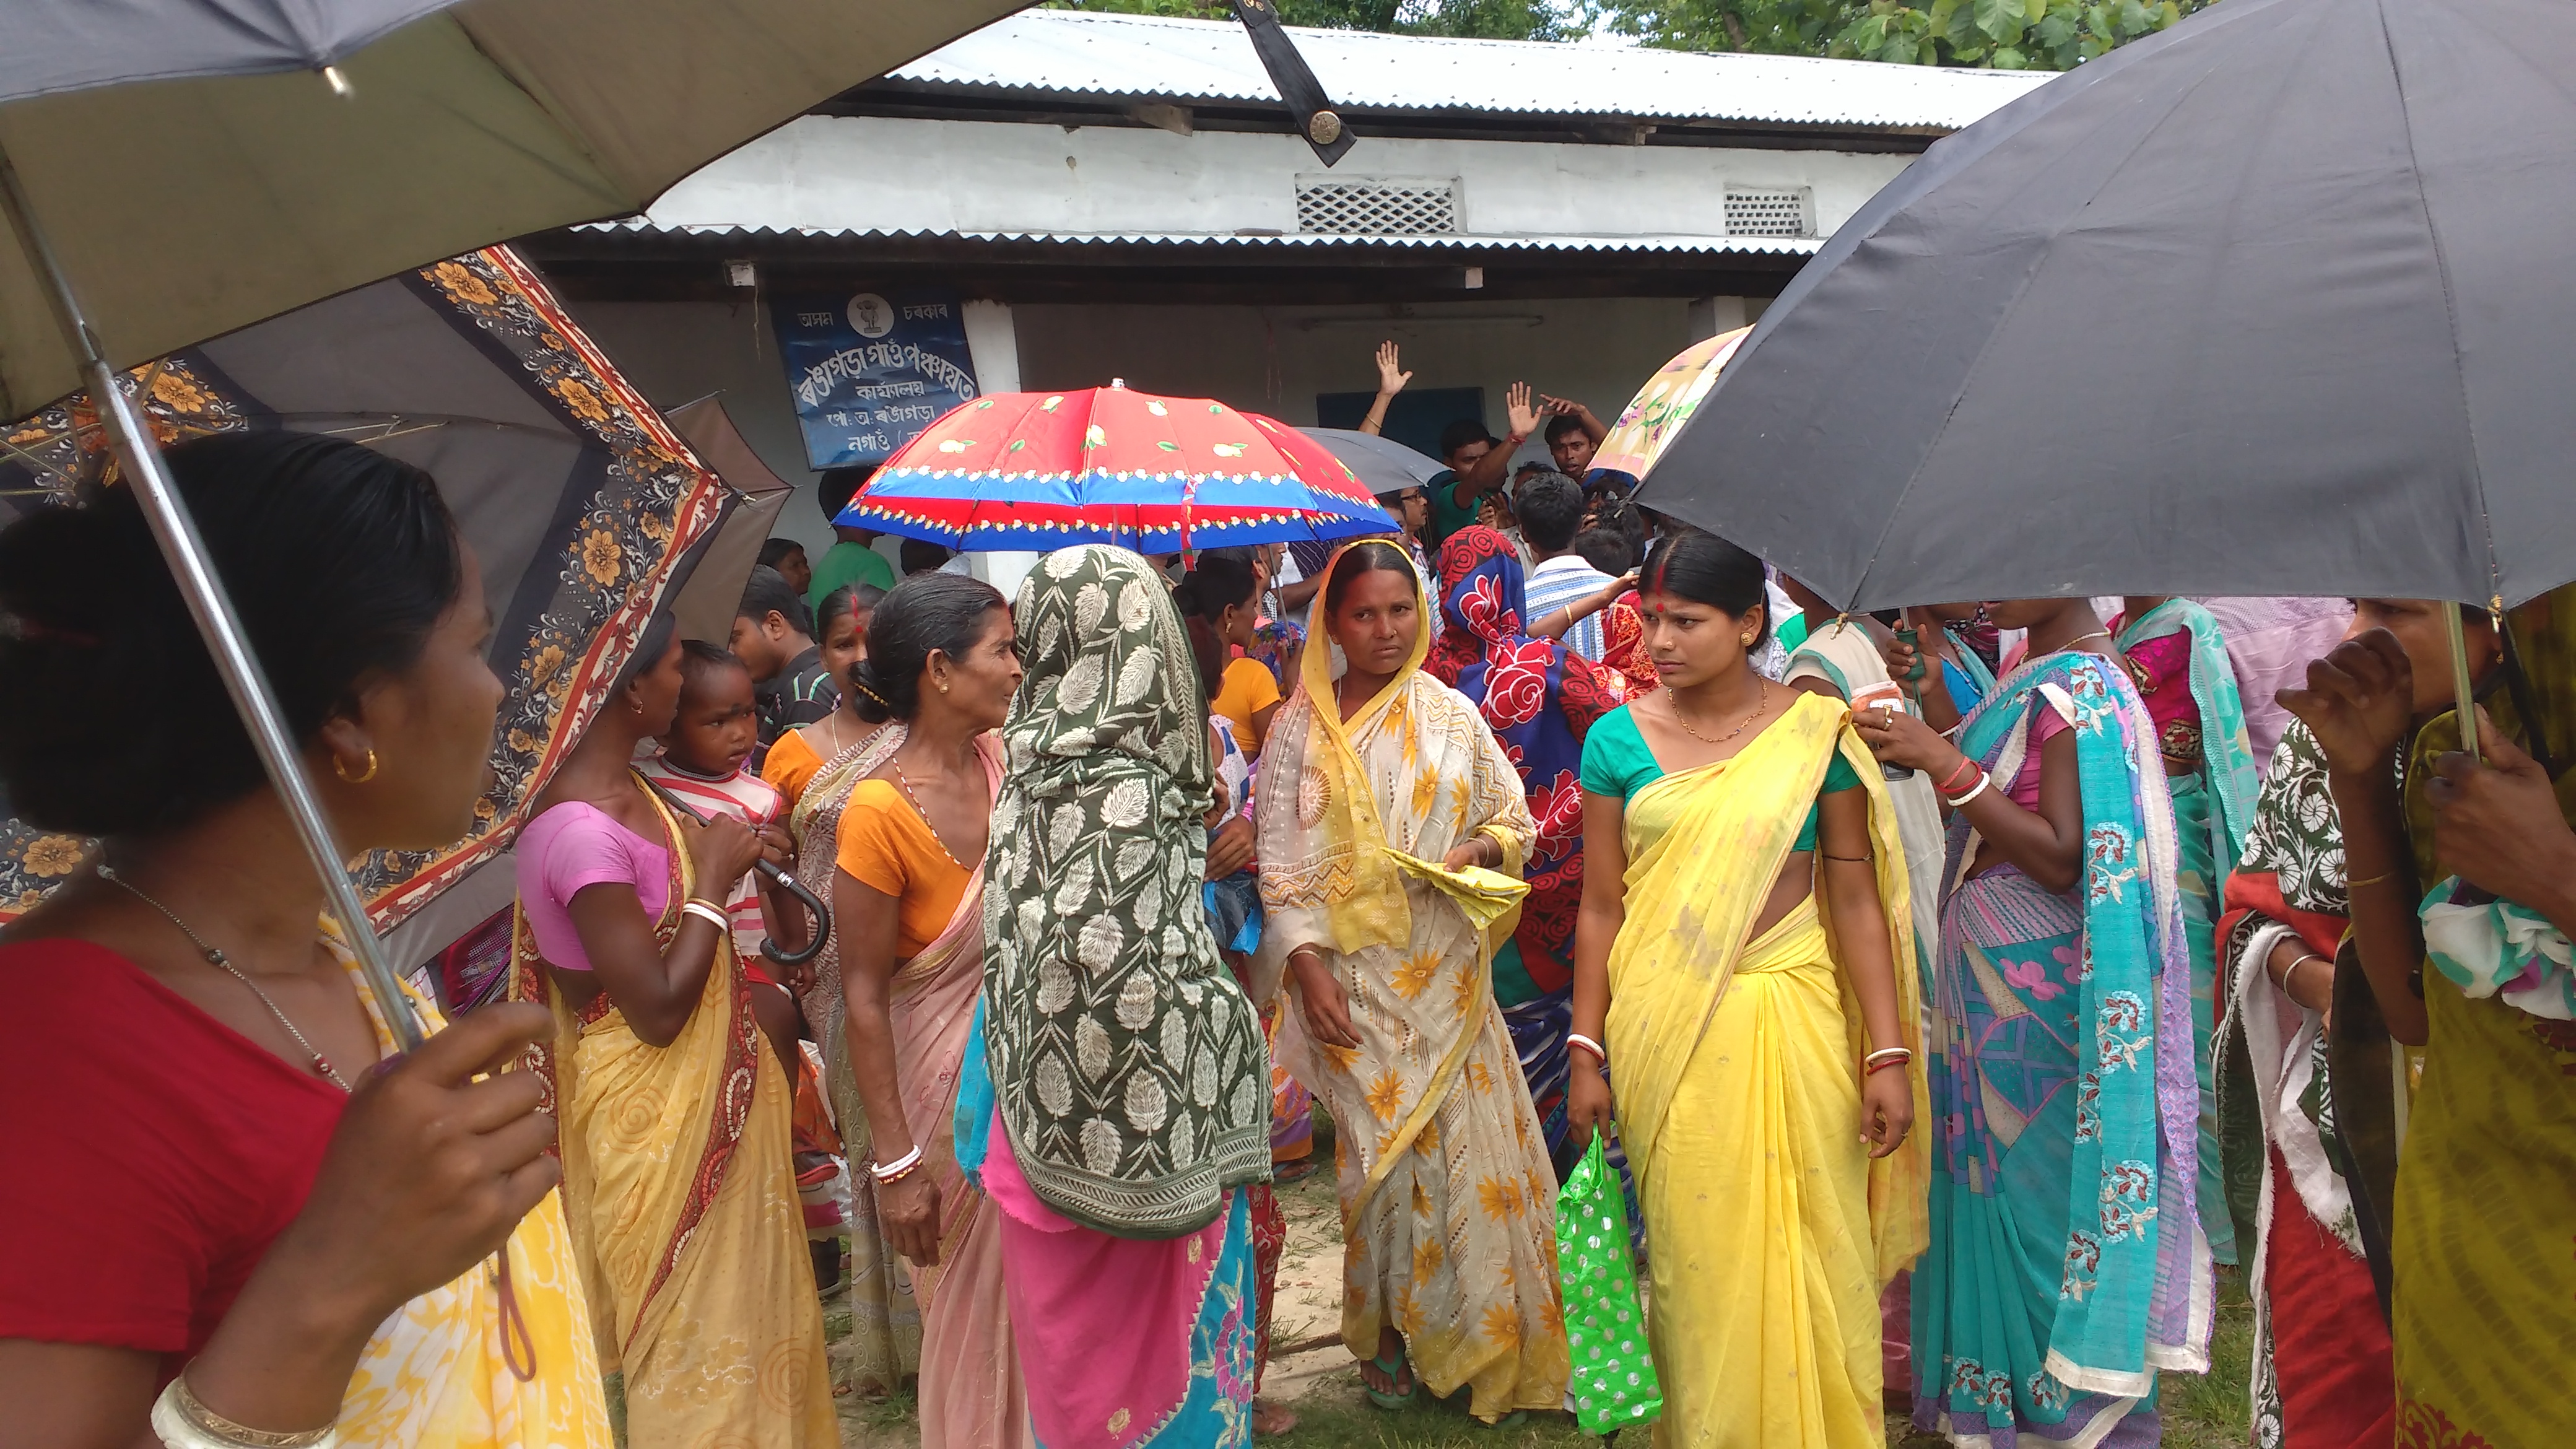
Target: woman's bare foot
(1269,1419)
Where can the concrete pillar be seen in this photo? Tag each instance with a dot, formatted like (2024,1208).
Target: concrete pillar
(1710,316)
(994,344)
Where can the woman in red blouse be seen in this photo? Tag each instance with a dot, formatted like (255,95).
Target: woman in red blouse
(234,1216)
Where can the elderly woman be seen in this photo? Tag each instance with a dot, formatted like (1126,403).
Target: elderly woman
(1132,1089)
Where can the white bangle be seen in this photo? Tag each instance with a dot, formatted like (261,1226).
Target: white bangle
(1983,780)
(1578,1039)
(181,1422)
(708,914)
(889,1171)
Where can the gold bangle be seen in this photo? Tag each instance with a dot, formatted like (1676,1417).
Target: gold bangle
(2350,884)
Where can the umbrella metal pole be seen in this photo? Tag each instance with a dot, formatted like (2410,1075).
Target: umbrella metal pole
(212,607)
(2461,689)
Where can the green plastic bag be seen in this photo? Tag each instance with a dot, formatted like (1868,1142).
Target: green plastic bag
(1614,1385)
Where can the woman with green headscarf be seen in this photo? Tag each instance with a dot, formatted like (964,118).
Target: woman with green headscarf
(1129,1094)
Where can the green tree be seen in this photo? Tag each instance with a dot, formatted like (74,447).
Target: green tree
(2003,34)
(1487,19)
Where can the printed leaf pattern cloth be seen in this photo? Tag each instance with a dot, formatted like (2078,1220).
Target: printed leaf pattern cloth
(1129,1066)
(1448,1198)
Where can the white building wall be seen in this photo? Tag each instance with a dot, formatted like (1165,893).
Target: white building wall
(874,173)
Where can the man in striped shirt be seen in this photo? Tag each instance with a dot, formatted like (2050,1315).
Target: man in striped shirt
(1551,509)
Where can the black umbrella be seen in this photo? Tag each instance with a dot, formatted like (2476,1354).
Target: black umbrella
(2271,303)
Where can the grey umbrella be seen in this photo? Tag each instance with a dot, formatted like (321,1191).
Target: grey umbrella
(2271,303)
(1382,465)
(147,217)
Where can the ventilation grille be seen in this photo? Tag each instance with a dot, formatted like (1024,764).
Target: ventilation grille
(1786,211)
(1377,208)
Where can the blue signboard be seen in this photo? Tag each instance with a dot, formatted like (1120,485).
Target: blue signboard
(870,370)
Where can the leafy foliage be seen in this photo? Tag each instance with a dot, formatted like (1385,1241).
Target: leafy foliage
(1486,19)
(2002,34)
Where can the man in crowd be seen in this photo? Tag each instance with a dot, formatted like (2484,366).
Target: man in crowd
(773,635)
(850,561)
(1573,435)
(1551,513)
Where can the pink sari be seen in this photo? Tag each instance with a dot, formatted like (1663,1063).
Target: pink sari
(971,1393)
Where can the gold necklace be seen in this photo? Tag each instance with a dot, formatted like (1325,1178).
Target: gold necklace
(906,786)
(1761,697)
(321,1064)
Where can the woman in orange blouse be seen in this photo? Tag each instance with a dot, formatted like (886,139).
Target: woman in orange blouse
(908,894)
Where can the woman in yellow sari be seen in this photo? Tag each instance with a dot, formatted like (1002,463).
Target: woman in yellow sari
(679,1182)
(1744,901)
(2477,1240)
(1378,789)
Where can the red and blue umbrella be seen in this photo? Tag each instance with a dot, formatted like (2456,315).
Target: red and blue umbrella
(1046,470)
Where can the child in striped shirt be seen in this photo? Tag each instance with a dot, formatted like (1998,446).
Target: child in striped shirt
(702,765)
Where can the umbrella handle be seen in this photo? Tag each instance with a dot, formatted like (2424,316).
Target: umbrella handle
(821,923)
(776,875)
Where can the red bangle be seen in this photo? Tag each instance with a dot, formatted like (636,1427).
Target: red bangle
(1874,1068)
(1965,765)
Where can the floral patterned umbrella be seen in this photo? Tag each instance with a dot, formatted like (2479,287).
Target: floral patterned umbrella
(1667,401)
(583,506)
(1043,471)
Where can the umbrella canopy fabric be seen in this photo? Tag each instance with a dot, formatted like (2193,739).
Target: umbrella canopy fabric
(239,183)
(582,506)
(1382,464)
(704,607)
(1042,471)
(2264,304)
(1654,417)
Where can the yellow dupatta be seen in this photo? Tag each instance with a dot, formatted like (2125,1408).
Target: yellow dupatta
(1364,896)
(1692,893)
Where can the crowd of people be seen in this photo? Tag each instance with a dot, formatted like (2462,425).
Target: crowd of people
(1955,991)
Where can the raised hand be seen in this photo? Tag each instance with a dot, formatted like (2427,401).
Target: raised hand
(1517,411)
(2359,702)
(1391,377)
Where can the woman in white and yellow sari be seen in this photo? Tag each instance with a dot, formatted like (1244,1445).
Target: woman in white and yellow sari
(1745,896)
(1386,808)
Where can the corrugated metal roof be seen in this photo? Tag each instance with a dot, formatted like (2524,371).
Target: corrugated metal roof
(1757,245)
(1146,57)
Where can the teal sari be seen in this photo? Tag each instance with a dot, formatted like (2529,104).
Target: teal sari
(2064,1270)
(2213,809)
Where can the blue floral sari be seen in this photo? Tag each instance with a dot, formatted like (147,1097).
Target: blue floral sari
(2065,1270)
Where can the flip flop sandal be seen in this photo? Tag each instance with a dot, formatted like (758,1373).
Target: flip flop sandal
(1395,1372)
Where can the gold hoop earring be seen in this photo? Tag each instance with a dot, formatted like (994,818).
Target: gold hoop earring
(342,770)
